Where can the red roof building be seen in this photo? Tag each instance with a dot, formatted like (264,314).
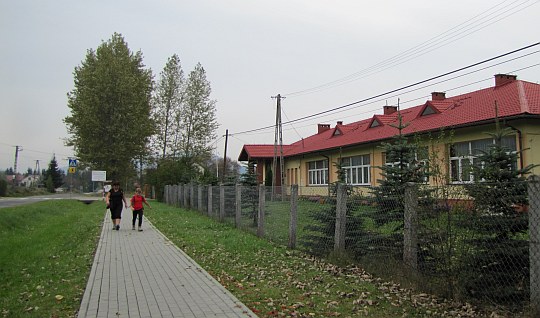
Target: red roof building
(469,116)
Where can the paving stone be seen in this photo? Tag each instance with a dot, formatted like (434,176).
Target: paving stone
(142,274)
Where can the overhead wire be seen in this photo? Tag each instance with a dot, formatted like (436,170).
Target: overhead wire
(385,98)
(439,82)
(423,48)
(394,90)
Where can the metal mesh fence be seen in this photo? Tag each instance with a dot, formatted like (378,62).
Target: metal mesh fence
(475,242)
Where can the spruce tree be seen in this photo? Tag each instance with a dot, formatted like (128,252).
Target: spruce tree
(250,194)
(320,236)
(55,175)
(498,268)
(401,168)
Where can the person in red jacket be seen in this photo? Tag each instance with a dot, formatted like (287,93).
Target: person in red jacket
(137,207)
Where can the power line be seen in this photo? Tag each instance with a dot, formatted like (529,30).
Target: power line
(423,48)
(386,97)
(395,90)
(439,82)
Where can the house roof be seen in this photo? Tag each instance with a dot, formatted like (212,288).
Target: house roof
(513,98)
(260,152)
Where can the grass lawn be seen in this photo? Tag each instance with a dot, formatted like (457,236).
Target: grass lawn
(46,253)
(275,282)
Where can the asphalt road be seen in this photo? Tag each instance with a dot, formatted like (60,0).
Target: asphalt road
(9,202)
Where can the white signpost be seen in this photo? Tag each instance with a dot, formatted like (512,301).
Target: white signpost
(99,175)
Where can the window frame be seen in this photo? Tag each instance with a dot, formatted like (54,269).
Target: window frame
(357,172)
(318,175)
(456,162)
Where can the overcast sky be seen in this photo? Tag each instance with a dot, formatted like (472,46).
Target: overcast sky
(320,55)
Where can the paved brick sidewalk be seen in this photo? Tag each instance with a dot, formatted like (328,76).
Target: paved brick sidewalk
(142,274)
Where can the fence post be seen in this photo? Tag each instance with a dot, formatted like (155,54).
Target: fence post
(186,196)
(260,218)
(199,198)
(174,195)
(221,203)
(179,195)
(294,216)
(341,218)
(533,189)
(210,203)
(191,196)
(166,194)
(238,200)
(410,228)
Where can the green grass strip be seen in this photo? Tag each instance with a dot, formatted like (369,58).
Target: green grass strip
(274,281)
(46,253)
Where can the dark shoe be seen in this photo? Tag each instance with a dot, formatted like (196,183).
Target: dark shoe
(118,227)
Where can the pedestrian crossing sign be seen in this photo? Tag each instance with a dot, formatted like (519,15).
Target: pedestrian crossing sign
(72,163)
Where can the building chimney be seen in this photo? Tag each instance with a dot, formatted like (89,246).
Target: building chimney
(438,96)
(322,128)
(388,110)
(501,79)
(339,123)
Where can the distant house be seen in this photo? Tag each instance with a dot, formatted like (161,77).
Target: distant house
(30,181)
(310,162)
(14,178)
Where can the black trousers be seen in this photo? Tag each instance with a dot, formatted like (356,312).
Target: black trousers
(140,214)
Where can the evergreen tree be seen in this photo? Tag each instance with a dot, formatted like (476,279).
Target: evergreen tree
(167,106)
(55,175)
(110,122)
(320,236)
(401,167)
(250,194)
(498,269)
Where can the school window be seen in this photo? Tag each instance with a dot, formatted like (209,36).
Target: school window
(318,172)
(421,156)
(463,156)
(357,170)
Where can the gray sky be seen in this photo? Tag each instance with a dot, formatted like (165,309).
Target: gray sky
(252,50)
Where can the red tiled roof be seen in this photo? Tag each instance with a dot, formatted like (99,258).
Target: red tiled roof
(260,151)
(513,99)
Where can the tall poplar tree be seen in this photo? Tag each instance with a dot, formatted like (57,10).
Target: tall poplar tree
(167,105)
(110,122)
(197,120)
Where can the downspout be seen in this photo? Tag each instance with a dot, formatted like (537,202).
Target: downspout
(520,144)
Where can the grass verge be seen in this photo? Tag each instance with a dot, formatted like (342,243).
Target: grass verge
(46,253)
(276,282)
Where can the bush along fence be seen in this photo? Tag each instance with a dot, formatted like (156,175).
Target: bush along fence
(475,243)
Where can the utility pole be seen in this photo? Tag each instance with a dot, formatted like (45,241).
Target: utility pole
(225,157)
(17,149)
(278,141)
(37,170)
